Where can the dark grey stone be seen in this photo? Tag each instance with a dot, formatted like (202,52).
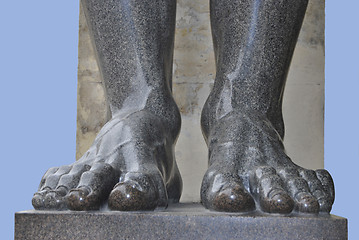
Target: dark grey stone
(131,164)
(180,221)
(242,118)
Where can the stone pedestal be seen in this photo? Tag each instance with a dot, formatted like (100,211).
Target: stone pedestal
(180,221)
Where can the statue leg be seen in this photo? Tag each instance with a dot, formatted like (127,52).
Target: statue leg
(242,118)
(131,163)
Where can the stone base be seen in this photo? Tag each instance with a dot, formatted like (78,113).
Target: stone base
(179,221)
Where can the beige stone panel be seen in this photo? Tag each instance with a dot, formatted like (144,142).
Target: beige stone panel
(303,103)
(191,149)
(303,108)
(193,57)
(312,33)
(193,78)
(92,111)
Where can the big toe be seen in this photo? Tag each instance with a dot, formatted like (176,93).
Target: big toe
(233,199)
(222,190)
(129,197)
(136,191)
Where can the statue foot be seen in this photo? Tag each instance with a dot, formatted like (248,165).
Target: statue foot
(130,164)
(248,169)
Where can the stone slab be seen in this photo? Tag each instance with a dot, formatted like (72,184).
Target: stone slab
(179,221)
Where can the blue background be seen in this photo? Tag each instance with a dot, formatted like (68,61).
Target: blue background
(38,71)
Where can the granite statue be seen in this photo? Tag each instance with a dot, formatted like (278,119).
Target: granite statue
(131,164)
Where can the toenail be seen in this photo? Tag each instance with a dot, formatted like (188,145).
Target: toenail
(307,203)
(130,196)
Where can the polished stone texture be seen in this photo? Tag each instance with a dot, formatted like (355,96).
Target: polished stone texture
(182,221)
(194,72)
(242,120)
(131,164)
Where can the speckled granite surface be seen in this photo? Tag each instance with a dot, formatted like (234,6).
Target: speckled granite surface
(194,71)
(180,221)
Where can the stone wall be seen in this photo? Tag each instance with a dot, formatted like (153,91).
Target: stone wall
(194,73)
